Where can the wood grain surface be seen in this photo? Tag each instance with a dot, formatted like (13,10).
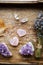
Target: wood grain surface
(7,14)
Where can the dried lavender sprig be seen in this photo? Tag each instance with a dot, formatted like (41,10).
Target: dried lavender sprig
(39,28)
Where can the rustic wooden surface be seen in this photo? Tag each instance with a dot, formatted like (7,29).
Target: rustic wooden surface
(40,0)
(21,1)
(8,16)
(18,1)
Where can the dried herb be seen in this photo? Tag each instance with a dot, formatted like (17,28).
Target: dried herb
(39,29)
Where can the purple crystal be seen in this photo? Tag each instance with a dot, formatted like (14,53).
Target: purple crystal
(4,50)
(27,49)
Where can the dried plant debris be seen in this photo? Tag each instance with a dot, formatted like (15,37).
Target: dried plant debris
(27,49)
(14,41)
(38,48)
(2,26)
(4,51)
(40,15)
(39,30)
(21,32)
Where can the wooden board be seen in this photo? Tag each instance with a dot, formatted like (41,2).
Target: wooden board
(18,1)
(7,14)
(40,1)
(21,1)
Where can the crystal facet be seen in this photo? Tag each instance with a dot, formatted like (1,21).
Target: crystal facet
(24,20)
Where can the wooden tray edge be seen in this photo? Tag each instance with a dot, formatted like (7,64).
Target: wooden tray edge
(19,2)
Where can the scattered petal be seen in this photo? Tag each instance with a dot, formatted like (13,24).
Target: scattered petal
(34,40)
(21,32)
(39,46)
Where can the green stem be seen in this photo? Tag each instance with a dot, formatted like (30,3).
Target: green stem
(38,50)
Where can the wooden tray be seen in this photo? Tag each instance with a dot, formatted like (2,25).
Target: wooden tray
(41,1)
(7,14)
(19,1)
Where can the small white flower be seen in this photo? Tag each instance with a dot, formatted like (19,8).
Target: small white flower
(39,46)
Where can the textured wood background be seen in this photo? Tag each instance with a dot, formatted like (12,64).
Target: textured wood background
(7,14)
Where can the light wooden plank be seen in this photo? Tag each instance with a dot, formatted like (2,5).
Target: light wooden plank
(18,1)
(40,0)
